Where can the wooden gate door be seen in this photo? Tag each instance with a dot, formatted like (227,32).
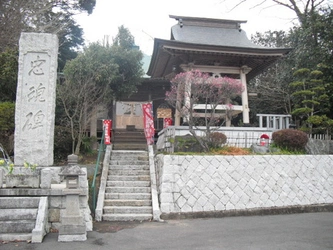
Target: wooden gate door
(129,113)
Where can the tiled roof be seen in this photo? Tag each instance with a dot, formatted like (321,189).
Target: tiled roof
(206,41)
(212,36)
(218,32)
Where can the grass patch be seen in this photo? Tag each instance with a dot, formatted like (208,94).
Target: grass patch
(228,150)
(283,151)
(231,150)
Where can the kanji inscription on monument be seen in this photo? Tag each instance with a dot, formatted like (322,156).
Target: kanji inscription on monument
(35,99)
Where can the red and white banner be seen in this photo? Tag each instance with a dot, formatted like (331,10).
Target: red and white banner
(148,122)
(167,122)
(107,128)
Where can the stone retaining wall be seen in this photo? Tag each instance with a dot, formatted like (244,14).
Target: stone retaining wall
(221,183)
(56,198)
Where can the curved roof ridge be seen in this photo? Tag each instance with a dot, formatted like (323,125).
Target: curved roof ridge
(206,21)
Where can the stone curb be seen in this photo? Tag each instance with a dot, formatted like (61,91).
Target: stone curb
(250,212)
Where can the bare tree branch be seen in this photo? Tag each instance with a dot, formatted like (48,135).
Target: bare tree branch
(301,8)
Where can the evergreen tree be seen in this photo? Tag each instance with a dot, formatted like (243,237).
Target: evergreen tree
(98,75)
(312,49)
(310,99)
(53,16)
(8,75)
(128,57)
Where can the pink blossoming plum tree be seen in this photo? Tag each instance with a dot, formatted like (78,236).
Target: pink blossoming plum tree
(204,102)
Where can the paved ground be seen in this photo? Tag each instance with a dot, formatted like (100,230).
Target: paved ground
(294,231)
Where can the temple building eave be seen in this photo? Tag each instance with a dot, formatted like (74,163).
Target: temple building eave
(168,53)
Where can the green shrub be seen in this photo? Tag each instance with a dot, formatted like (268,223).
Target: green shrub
(186,143)
(62,144)
(7,125)
(290,139)
(7,117)
(216,139)
(87,145)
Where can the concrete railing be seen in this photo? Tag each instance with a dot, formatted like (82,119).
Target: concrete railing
(42,226)
(274,121)
(220,183)
(153,185)
(104,178)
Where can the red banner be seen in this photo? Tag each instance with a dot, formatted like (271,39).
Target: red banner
(107,128)
(148,122)
(167,122)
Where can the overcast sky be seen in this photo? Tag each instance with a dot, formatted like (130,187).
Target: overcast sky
(148,19)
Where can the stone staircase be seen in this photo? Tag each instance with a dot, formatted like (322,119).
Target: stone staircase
(129,139)
(128,191)
(21,219)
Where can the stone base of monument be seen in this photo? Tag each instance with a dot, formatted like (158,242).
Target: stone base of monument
(23,181)
(22,177)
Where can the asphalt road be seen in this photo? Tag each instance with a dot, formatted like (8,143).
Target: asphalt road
(293,231)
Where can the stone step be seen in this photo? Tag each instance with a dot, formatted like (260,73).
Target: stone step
(129,152)
(133,138)
(19,202)
(129,146)
(125,196)
(18,214)
(130,166)
(128,183)
(128,172)
(19,226)
(130,130)
(129,178)
(15,237)
(128,193)
(127,217)
(127,190)
(127,210)
(127,203)
(130,156)
(129,162)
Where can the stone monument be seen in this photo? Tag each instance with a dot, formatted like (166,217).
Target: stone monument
(35,99)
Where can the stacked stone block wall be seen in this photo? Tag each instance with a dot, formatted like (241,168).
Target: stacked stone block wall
(220,183)
(57,198)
